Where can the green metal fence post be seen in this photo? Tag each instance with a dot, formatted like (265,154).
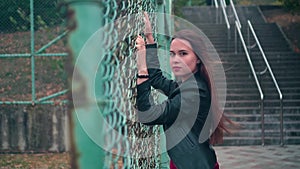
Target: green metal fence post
(165,26)
(88,18)
(189,3)
(32,52)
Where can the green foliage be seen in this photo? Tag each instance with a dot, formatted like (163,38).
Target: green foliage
(15,14)
(178,4)
(257,2)
(291,5)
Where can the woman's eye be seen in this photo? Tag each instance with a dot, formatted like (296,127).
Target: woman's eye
(172,54)
(182,53)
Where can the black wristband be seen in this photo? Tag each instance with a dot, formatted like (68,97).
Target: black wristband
(142,76)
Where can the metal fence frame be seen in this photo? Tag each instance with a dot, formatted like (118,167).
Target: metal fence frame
(32,55)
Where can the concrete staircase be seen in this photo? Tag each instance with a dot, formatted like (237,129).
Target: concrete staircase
(243,100)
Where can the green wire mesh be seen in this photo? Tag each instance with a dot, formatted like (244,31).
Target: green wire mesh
(120,62)
(115,81)
(108,38)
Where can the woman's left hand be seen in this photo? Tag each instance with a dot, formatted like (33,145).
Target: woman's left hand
(141,55)
(140,43)
(148,29)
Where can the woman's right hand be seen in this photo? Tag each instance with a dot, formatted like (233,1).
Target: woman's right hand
(140,43)
(148,29)
(141,58)
(141,55)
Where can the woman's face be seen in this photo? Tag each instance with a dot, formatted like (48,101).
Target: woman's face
(183,60)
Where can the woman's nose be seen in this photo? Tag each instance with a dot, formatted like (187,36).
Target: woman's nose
(175,59)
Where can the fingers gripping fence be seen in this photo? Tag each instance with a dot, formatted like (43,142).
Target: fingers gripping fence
(102,44)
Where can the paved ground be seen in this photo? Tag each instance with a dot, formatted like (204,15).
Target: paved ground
(259,157)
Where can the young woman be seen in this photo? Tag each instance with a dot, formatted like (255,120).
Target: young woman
(190,99)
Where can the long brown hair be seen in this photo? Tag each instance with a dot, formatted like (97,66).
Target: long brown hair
(206,69)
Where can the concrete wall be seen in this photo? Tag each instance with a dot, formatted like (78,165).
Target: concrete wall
(40,128)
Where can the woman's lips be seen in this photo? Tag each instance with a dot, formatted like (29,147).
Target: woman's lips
(176,68)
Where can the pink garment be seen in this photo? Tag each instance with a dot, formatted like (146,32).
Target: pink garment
(217,166)
(172,165)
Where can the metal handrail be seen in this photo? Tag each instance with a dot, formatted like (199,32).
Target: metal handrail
(216,3)
(255,77)
(249,59)
(273,78)
(235,14)
(224,2)
(223,5)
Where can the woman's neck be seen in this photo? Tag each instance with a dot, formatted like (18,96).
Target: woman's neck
(186,77)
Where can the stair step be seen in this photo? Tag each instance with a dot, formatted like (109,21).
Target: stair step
(267,133)
(254,90)
(280,80)
(277,74)
(257,140)
(207,14)
(267,103)
(267,117)
(253,125)
(267,110)
(264,82)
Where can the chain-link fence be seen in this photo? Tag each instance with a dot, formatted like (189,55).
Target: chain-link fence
(32,78)
(112,28)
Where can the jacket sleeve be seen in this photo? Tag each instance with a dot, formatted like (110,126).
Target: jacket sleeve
(157,80)
(184,104)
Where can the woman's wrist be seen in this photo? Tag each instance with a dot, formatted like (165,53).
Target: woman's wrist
(141,80)
(142,75)
(143,71)
(149,39)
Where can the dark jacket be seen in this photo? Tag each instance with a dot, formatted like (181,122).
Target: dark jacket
(182,115)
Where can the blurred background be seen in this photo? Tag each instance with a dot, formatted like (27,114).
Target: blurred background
(34,78)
